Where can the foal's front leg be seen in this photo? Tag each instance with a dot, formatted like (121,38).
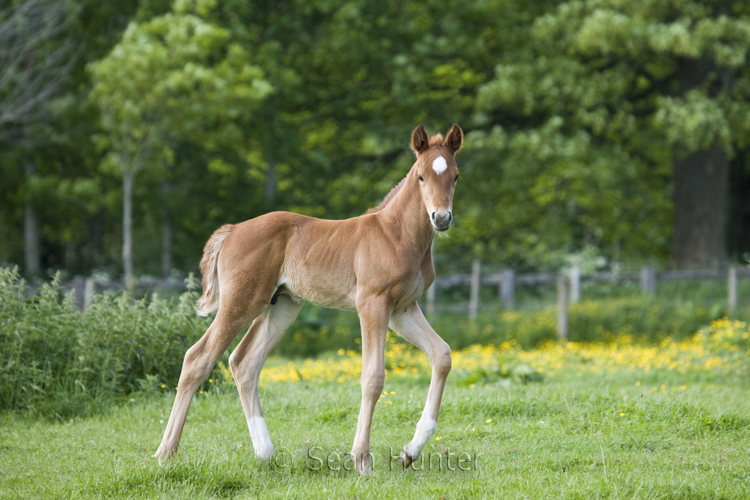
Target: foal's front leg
(412,325)
(373,318)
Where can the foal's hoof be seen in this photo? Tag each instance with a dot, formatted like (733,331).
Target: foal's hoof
(363,463)
(265,453)
(162,454)
(406,458)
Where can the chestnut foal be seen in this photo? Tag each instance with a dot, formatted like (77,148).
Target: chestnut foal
(379,263)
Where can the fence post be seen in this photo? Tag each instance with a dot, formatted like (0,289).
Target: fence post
(78,290)
(575,284)
(732,289)
(474,292)
(562,307)
(431,298)
(648,280)
(507,288)
(88,293)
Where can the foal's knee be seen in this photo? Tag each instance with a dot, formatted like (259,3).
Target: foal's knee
(442,361)
(196,366)
(373,382)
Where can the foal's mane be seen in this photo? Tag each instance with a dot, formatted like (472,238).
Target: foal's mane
(391,194)
(435,140)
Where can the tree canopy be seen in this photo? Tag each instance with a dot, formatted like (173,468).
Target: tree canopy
(598,130)
(617,106)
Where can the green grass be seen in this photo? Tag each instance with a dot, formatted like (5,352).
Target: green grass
(593,437)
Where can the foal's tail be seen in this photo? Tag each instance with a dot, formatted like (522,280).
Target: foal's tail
(209,301)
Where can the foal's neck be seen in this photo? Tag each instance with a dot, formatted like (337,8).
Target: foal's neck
(408,211)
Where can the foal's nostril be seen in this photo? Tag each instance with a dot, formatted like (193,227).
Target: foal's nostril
(441,219)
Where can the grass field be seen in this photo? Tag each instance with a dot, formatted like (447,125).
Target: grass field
(600,422)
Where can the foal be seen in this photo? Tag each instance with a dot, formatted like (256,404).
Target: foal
(379,263)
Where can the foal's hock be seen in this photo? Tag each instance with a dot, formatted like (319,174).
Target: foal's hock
(262,270)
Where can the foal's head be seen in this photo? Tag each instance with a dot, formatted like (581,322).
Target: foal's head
(437,172)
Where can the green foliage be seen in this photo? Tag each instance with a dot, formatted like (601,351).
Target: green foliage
(647,320)
(580,129)
(318,330)
(57,361)
(575,113)
(69,194)
(504,373)
(175,78)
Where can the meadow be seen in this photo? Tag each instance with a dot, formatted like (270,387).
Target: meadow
(661,435)
(631,414)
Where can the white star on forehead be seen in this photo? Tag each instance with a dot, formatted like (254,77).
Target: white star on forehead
(439,165)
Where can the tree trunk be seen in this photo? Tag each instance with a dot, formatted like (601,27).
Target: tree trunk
(31,240)
(701,189)
(739,217)
(701,183)
(31,231)
(166,232)
(128,180)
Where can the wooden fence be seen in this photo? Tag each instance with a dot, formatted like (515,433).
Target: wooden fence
(85,287)
(568,286)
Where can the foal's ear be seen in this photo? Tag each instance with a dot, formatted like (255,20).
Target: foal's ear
(419,139)
(455,139)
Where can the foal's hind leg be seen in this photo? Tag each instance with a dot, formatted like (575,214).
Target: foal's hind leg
(412,325)
(247,361)
(233,315)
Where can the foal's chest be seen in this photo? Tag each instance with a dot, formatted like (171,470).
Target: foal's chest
(412,290)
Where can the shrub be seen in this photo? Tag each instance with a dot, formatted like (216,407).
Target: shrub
(646,319)
(58,361)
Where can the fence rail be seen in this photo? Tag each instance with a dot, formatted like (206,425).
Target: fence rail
(84,288)
(568,285)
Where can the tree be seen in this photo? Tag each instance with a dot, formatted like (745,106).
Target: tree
(615,105)
(35,60)
(350,81)
(353,78)
(174,78)
(585,121)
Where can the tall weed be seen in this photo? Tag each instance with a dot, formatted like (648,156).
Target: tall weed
(58,361)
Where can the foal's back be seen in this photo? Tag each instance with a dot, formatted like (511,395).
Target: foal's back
(316,260)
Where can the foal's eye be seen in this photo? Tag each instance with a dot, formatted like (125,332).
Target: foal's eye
(421,179)
(456,179)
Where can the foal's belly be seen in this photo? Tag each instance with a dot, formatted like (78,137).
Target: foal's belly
(327,298)
(321,289)
(342,294)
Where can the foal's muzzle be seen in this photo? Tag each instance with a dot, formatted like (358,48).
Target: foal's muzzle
(441,219)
